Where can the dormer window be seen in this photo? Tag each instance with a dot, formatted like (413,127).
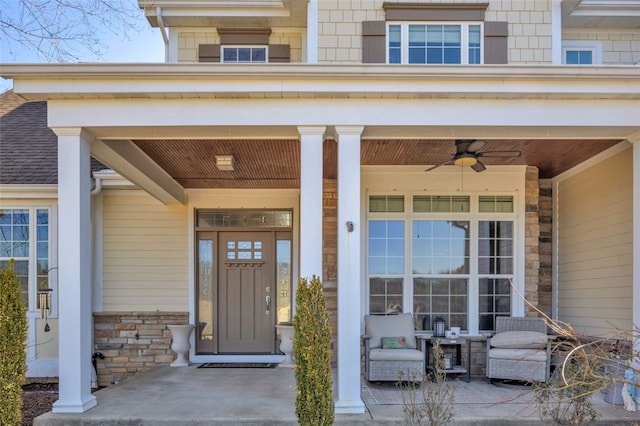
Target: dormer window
(244,54)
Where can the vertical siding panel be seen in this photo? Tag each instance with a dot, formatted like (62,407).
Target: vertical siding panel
(594,246)
(145,254)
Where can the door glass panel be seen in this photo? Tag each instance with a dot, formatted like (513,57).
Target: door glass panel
(243,219)
(205,288)
(283,277)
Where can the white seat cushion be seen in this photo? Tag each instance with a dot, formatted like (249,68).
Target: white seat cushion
(395,355)
(518,354)
(519,340)
(379,326)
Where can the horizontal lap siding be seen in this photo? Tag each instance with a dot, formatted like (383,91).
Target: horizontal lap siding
(145,254)
(595,258)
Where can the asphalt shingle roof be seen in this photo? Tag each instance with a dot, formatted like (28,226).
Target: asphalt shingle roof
(28,148)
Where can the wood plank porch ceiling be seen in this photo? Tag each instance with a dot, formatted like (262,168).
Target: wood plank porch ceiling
(276,163)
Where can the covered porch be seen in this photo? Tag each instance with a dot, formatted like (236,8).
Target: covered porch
(293,127)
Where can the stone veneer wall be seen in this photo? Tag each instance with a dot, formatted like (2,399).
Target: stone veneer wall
(545,218)
(531,241)
(330,257)
(132,342)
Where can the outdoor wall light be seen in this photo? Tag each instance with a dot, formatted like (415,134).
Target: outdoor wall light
(225,162)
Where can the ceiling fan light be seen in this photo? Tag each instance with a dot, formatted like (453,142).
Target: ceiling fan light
(465,161)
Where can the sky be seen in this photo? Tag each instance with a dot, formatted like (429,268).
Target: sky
(144,46)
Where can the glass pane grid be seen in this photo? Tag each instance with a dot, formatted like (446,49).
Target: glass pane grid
(386,203)
(441,297)
(440,247)
(245,219)
(441,203)
(495,204)
(385,295)
(495,300)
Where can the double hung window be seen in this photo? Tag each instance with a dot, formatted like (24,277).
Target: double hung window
(448,256)
(25,238)
(434,43)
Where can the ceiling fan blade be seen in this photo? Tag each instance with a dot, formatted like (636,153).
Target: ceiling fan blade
(446,163)
(462,145)
(476,146)
(500,154)
(479,167)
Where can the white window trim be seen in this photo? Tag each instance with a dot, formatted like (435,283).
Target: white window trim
(32,310)
(244,46)
(464,40)
(594,46)
(474,217)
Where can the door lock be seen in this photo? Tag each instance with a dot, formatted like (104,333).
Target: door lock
(267,301)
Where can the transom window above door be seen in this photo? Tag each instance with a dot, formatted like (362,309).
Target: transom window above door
(434,43)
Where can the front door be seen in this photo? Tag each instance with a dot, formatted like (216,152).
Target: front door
(246,292)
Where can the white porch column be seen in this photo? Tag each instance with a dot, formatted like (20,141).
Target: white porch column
(311,138)
(74,272)
(349,230)
(556,32)
(636,245)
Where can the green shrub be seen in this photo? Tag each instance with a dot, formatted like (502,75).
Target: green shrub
(312,354)
(13,334)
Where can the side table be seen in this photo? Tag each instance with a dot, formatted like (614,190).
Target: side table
(458,367)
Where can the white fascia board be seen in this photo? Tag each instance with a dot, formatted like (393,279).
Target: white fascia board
(626,8)
(149,117)
(112,179)
(19,191)
(116,81)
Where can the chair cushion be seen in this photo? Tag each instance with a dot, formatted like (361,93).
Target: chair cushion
(518,354)
(519,340)
(379,326)
(395,355)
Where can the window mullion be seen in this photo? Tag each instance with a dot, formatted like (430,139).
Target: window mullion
(464,44)
(33,263)
(404,43)
(474,293)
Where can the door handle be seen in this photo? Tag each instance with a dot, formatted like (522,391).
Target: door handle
(267,300)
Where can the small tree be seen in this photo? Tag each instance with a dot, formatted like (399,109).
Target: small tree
(13,334)
(312,354)
(435,408)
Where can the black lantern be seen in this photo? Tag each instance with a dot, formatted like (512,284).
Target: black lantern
(438,327)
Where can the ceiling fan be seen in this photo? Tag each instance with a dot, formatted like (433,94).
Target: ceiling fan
(468,155)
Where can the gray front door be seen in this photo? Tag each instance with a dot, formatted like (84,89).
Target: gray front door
(246,292)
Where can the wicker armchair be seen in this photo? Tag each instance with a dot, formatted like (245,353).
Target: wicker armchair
(520,350)
(400,363)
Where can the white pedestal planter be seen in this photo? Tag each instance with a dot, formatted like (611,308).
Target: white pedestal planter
(286,344)
(181,344)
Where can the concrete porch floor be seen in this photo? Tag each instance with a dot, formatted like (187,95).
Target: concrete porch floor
(262,396)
